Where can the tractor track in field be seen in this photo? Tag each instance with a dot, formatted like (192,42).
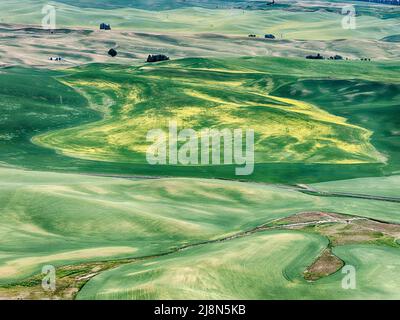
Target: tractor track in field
(352,195)
(311,191)
(303,188)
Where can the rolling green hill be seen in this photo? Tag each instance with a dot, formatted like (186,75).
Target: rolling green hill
(96,117)
(159,4)
(257,267)
(219,94)
(298,23)
(66,219)
(77,192)
(371,104)
(199,93)
(263,266)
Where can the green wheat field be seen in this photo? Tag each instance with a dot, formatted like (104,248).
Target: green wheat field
(76,190)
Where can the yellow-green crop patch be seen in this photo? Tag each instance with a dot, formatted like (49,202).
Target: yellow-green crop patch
(200,94)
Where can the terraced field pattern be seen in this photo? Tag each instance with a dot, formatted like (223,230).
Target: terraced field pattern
(77,191)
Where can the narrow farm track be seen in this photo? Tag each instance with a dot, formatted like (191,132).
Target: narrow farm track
(348,195)
(301,188)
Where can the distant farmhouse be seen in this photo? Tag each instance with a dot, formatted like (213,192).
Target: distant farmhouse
(317,57)
(157,57)
(105,26)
